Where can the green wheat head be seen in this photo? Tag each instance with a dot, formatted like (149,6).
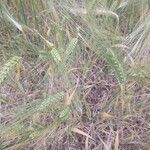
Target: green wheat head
(55,55)
(4,71)
(52,99)
(71,46)
(17,124)
(40,105)
(116,65)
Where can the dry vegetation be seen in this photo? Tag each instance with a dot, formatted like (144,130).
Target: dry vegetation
(75,75)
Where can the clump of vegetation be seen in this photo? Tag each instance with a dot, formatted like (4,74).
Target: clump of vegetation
(74,74)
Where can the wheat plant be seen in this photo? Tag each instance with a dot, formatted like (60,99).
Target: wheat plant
(74,74)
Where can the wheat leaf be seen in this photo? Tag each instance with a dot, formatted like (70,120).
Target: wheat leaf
(76,130)
(117,141)
(19,26)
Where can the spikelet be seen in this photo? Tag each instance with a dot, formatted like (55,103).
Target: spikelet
(55,55)
(114,62)
(35,134)
(108,13)
(55,98)
(71,46)
(64,114)
(12,129)
(7,67)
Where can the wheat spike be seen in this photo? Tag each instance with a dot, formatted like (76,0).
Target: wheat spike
(71,46)
(112,58)
(50,100)
(64,114)
(55,55)
(7,67)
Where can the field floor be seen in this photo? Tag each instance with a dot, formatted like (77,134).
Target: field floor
(75,75)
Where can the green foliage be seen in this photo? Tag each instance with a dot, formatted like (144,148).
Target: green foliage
(18,127)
